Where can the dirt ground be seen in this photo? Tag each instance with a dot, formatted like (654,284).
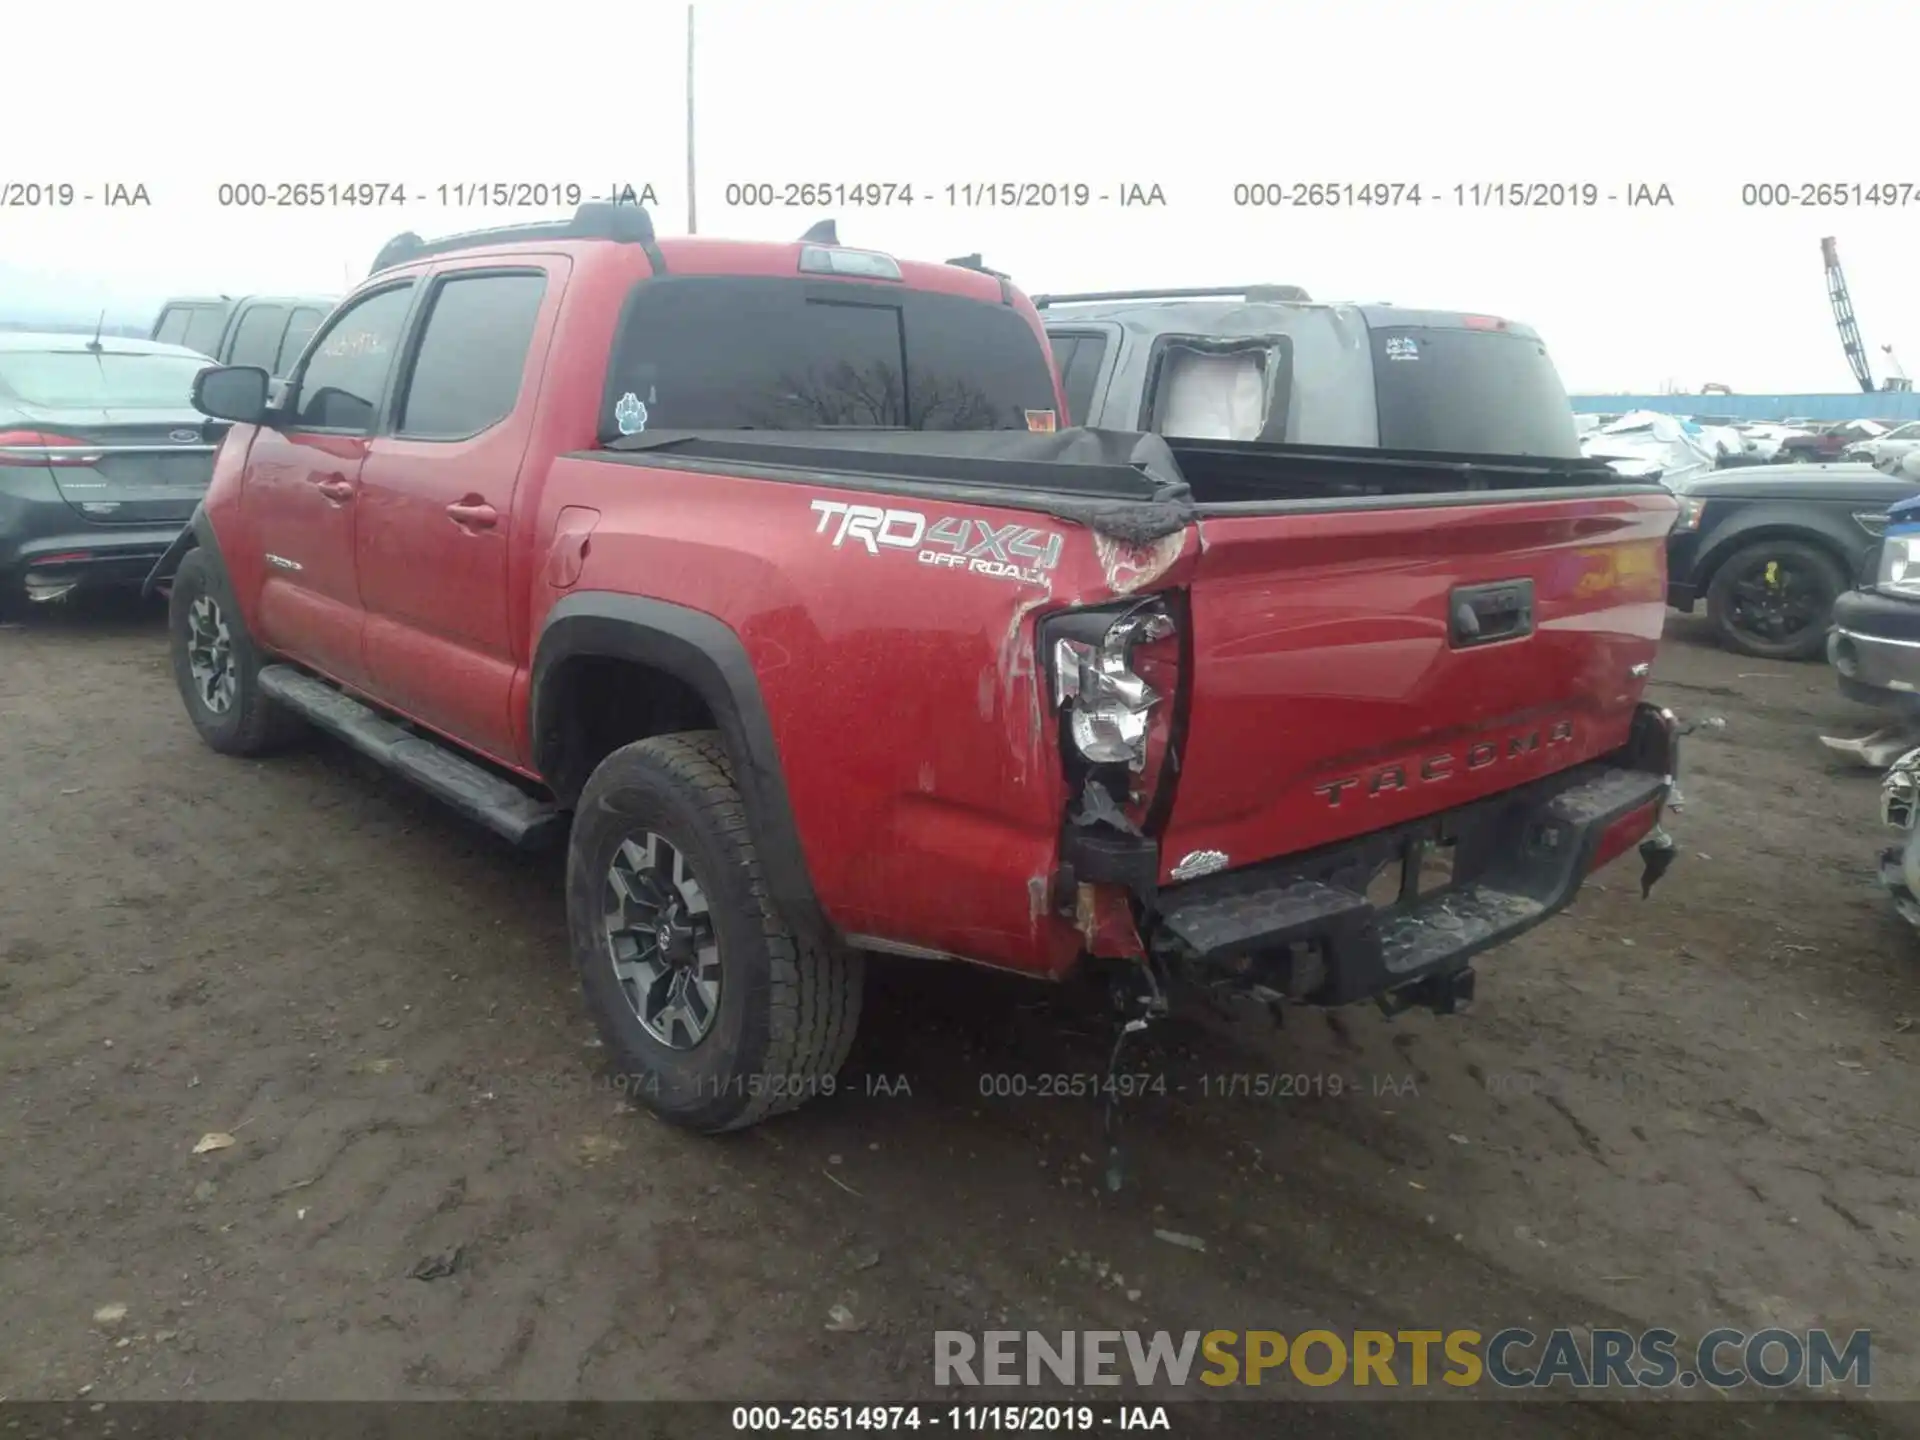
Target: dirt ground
(1696,1111)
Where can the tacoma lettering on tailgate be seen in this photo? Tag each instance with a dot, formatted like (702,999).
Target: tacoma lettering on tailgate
(951,542)
(1444,765)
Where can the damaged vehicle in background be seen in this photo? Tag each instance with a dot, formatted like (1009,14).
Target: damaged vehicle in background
(803,662)
(1885,451)
(102,460)
(1772,548)
(1825,443)
(1649,445)
(1764,439)
(1267,363)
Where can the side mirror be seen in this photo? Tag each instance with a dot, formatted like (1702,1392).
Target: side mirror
(232,392)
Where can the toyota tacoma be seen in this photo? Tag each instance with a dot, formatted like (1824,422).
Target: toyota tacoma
(767,578)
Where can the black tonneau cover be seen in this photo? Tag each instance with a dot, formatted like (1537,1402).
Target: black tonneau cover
(1115,464)
(1134,485)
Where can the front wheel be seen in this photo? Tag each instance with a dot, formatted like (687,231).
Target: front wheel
(718,1015)
(1774,599)
(217,666)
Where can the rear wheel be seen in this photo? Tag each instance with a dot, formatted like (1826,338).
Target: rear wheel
(718,1015)
(217,667)
(1774,599)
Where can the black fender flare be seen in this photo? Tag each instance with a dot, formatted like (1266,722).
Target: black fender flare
(704,653)
(197,533)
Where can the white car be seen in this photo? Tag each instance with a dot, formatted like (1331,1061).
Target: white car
(1888,447)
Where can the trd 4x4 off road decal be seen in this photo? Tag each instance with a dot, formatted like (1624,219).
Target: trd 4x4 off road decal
(950,542)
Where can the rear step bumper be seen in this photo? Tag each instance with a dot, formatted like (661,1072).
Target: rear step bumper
(1304,926)
(470,788)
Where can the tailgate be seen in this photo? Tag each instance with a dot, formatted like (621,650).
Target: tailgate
(1360,668)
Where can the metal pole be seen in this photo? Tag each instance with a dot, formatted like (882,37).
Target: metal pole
(693,223)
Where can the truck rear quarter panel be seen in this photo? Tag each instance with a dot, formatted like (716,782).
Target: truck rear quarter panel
(919,755)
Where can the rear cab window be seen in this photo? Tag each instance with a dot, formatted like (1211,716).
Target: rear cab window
(1469,389)
(769,353)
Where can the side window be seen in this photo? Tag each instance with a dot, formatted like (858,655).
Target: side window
(300,327)
(340,388)
(1063,347)
(473,351)
(256,339)
(1206,391)
(173,324)
(205,325)
(1079,369)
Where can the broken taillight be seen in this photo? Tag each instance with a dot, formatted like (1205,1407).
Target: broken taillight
(1115,672)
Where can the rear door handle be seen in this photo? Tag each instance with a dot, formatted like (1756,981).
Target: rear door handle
(335,489)
(474,514)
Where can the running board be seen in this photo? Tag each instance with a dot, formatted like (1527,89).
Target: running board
(473,790)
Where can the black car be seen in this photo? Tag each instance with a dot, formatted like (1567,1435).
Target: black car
(265,330)
(102,459)
(1771,547)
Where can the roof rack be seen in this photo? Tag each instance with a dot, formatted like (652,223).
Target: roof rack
(974,263)
(595,220)
(1253,293)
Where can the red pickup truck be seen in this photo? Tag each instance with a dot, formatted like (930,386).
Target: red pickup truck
(772,579)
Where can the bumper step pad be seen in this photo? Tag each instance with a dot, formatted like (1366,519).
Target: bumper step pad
(1528,852)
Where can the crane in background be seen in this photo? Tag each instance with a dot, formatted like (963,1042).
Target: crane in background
(1850,329)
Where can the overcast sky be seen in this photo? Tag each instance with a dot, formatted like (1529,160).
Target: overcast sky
(1193,97)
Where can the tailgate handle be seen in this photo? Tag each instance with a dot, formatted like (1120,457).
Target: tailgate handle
(1482,614)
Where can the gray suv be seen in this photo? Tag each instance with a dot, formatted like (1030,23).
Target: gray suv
(1267,363)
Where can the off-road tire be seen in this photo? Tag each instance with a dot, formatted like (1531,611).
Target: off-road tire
(254,724)
(787,1009)
(1807,644)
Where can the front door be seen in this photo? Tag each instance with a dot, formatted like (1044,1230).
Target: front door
(303,482)
(436,499)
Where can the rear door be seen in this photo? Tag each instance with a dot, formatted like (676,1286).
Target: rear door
(436,498)
(116,430)
(303,479)
(1357,668)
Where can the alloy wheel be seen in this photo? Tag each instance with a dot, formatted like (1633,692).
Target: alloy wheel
(661,942)
(210,655)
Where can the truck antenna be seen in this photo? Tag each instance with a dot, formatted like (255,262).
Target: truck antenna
(693,222)
(98,326)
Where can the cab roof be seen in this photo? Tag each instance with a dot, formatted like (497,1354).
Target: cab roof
(599,222)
